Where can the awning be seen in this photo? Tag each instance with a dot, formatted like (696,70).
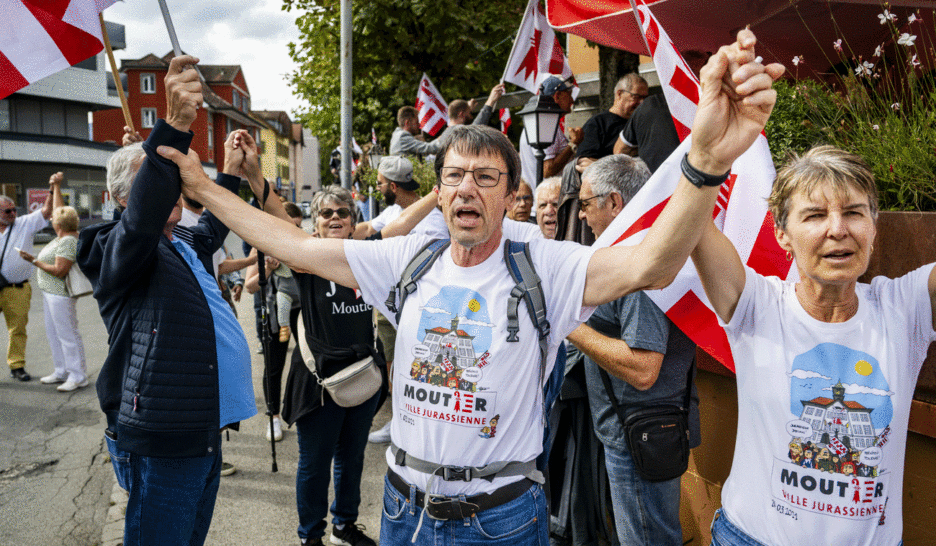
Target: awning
(784,28)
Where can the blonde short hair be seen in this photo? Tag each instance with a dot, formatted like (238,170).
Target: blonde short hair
(821,166)
(65,218)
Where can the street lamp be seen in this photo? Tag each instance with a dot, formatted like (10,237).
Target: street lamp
(540,121)
(374,155)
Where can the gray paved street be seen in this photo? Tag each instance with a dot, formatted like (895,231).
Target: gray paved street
(56,483)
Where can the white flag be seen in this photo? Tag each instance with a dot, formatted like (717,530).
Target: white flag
(536,52)
(433,110)
(740,211)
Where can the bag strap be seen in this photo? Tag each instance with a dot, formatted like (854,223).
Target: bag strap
(500,469)
(606,379)
(418,266)
(9,234)
(530,289)
(308,344)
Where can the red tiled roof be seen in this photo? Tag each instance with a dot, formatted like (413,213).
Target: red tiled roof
(823,401)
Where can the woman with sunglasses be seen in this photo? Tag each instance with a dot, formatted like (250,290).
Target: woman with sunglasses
(338,317)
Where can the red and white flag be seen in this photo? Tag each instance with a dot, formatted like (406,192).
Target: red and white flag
(504,116)
(536,52)
(740,212)
(42,37)
(433,110)
(373,136)
(447,364)
(837,446)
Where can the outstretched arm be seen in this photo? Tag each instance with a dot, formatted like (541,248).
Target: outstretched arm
(271,235)
(735,102)
(411,215)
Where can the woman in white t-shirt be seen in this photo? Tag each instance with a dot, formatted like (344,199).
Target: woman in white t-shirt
(826,366)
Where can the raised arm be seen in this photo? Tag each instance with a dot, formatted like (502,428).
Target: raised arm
(271,235)
(241,158)
(735,102)
(411,215)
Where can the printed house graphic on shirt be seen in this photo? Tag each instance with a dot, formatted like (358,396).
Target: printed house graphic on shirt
(836,417)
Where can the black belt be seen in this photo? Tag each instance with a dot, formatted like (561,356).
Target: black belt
(441,507)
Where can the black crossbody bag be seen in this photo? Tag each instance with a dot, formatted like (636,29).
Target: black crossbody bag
(657,436)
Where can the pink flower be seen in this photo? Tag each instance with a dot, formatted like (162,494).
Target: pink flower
(838,45)
(895,106)
(913,18)
(914,62)
(797,60)
(876,127)
(864,69)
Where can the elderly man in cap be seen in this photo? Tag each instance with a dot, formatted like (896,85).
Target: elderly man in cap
(563,148)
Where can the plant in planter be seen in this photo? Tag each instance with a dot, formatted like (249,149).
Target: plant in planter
(881,108)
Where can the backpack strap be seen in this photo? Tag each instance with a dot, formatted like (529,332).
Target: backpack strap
(414,271)
(530,289)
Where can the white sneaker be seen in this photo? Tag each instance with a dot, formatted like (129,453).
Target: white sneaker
(277,430)
(381,436)
(71,385)
(52,379)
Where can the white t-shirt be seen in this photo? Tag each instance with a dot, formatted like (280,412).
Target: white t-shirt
(528,160)
(432,225)
(463,395)
(521,231)
(823,410)
(16,269)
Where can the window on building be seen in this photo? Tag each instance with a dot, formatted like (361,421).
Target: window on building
(210,136)
(282,150)
(4,115)
(236,100)
(229,125)
(246,104)
(148,83)
(148,118)
(283,171)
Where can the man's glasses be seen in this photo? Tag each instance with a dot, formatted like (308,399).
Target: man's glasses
(584,203)
(486,177)
(7,211)
(343,212)
(641,97)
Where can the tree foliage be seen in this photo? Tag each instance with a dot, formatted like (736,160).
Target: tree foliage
(462,45)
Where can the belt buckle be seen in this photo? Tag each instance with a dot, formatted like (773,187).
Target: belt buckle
(440,507)
(455,473)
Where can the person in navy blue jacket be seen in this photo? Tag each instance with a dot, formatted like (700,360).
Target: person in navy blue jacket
(178,368)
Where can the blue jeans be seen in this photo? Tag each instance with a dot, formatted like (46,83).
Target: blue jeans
(171,500)
(645,513)
(724,533)
(523,521)
(326,433)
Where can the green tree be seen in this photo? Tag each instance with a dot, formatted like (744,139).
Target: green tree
(462,45)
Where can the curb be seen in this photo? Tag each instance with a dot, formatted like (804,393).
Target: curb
(113,532)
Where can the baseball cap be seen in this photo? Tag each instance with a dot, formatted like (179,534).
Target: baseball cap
(399,170)
(553,84)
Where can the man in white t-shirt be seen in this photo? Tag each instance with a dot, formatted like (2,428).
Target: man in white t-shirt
(467,405)
(16,234)
(395,182)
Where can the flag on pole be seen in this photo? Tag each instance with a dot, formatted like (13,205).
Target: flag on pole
(536,52)
(356,150)
(433,110)
(504,116)
(373,136)
(740,212)
(40,38)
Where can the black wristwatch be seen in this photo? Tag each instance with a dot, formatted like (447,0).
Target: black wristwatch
(699,178)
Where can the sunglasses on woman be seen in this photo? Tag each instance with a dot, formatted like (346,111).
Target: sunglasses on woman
(343,212)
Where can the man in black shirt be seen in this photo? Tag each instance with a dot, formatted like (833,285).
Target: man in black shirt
(601,132)
(650,133)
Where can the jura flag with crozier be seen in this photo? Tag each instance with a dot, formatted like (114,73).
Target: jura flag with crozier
(504,120)
(433,110)
(42,37)
(536,52)
(740,212)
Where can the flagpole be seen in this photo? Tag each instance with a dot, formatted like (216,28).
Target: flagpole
(172,35)
(643,35)
(120,92)
(514,47)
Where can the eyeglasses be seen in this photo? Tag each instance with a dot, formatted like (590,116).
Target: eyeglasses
(584,203)
(486,177)
(7,211)
(641,97)
(343,212)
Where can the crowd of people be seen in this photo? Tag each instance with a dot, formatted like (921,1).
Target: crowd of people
(430,290)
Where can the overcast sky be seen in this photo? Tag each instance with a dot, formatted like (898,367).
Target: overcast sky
(251,33)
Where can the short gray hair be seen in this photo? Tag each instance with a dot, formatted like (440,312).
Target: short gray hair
(480,140)
(121,170)
(551,183)
(619,173)
(628,81)
(5,199)
(337,194)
